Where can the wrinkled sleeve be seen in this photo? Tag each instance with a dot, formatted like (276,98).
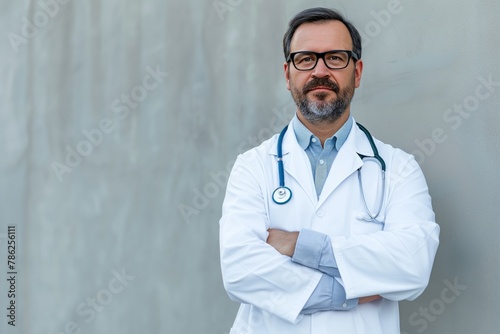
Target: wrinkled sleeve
(314,250)
(253,271)
(396,262)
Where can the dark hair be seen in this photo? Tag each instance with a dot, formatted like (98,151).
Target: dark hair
(316,15)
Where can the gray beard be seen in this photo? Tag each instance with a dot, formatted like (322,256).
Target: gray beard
(317,112)
(322,111)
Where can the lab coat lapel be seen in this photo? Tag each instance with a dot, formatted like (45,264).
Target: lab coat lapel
(346,162)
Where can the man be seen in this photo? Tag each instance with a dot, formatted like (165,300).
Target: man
(338,243)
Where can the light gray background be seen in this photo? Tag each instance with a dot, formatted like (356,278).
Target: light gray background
(147,199)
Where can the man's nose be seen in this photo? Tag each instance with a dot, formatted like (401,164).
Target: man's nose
(321,71)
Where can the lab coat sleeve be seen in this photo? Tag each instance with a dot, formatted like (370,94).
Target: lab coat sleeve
(395,263)
(253,271)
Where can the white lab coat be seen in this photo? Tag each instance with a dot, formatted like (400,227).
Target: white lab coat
(393,260)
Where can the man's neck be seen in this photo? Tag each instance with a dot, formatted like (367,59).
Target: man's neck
(324,129)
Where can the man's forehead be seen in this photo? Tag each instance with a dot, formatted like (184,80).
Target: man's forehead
(322,34)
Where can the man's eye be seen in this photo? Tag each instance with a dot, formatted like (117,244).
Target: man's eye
(332,57)
(306,59)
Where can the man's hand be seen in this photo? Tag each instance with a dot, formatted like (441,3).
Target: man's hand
(368,299)
(283,241)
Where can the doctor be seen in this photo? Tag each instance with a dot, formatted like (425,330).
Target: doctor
(319,235)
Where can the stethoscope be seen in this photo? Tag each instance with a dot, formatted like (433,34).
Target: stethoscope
(283,194)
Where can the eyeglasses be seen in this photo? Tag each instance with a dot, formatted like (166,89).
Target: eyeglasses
(334,59)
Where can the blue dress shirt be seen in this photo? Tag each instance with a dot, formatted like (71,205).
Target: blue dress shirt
(314,249)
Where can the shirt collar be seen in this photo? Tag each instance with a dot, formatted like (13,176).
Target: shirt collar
(304,136)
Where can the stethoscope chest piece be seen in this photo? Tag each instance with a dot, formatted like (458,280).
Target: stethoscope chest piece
(282,195)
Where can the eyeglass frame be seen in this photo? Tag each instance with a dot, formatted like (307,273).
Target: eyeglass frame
(321,55)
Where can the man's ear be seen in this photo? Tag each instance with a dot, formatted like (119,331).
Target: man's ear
(358,70)
(286,68)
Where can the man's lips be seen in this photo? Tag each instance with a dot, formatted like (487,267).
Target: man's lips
(319,88)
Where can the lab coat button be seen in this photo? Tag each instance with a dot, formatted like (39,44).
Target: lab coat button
(320,213)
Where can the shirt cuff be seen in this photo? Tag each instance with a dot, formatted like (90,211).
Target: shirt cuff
(321,298)
(339,301)
(308,248)
(314,250)
(329,295)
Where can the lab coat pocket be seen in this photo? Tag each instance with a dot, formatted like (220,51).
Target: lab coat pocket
(361,223)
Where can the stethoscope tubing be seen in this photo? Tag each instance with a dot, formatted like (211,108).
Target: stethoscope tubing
(373,217)
(283,194)
(281,169)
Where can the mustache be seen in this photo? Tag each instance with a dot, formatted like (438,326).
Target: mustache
(320,82)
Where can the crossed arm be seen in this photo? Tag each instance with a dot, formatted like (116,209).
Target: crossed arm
(284,242)
(266,277)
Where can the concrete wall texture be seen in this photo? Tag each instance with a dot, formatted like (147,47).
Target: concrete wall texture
(120,120)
